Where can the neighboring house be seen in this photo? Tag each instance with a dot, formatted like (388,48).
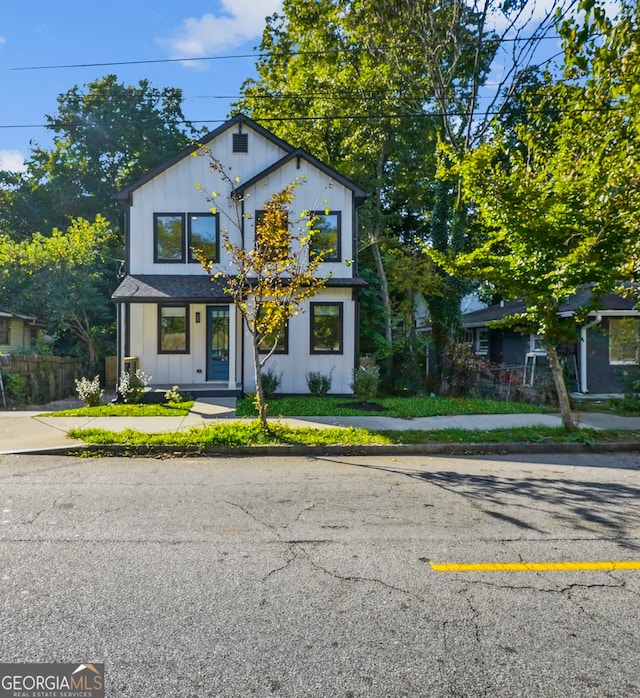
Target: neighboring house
(17,332)
(176,322)
(598,362)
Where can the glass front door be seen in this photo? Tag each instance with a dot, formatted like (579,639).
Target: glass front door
(218,342)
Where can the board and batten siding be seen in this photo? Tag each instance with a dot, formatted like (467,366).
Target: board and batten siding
(315,191)
(175,191)
(299,360)
(178,369)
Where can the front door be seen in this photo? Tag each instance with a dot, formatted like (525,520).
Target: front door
(218,342)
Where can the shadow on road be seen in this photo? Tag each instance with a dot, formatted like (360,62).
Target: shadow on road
(585,505)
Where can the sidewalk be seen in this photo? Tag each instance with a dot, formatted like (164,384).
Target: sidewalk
(29,431)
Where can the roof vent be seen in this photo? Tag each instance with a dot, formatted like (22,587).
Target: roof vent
(240,142)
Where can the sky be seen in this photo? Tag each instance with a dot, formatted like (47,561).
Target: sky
(41,39)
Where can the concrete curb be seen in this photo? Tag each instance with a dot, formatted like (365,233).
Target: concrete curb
(284,450)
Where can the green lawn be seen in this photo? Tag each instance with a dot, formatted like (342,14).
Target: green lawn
(126,410)
(403,407)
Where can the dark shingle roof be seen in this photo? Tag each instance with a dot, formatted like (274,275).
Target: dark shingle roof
(190,287)
(609,301)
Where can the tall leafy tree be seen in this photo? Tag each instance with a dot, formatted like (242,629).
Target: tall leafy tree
(319,87)
(558,205)
(468,60)
(61,278)
(106,135)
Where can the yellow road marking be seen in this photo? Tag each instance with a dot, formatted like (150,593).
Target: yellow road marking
(536,566)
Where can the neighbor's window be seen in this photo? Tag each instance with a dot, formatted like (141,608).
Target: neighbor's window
(326,328)
(4,330)
(326,239)
(169,237)
(624,340)
(482,345)
(203,235)
(173,329)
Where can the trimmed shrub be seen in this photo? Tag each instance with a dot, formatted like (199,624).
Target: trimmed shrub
(318,383)
(270,383)
(365,383)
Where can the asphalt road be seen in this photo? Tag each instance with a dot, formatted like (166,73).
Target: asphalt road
(313,577)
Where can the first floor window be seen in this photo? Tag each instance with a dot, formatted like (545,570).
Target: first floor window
(326,328)
(326,238)
(624,340)
(173,329)
(4,330)
(203,236)
(169,237)
(279,337)
(482,346)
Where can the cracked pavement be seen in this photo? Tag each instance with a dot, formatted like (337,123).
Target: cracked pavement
(311,577)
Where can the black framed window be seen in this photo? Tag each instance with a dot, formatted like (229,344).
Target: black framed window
(168,235)
(326,328)
(281,339)
(5,324)
(203,235)
(327,235)
(173,329)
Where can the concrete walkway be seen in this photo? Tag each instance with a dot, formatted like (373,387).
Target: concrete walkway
(28,431)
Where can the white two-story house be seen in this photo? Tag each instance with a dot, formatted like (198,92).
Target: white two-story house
(179,326)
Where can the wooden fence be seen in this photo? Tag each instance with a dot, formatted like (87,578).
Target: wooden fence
(38,379)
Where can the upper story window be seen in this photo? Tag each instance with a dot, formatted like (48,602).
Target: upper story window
(168,237)
(327,237)
(203,236)
(265,241)
(624,340)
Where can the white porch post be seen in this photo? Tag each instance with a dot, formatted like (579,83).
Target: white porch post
(233,346)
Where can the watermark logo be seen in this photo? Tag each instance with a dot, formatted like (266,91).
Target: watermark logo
(52,680)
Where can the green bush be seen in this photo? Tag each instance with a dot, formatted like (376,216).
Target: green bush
(318,383)
(365,383)
(270,383)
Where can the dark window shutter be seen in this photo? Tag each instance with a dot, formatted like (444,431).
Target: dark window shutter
(240,142)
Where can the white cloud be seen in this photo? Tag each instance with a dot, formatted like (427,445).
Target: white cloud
(12,160)
(2,40)
(238,22)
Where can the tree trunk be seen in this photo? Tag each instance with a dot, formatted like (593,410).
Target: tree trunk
(386,303)
(561,389)
(260,403)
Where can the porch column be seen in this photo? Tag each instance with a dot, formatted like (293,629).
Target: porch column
(233,346)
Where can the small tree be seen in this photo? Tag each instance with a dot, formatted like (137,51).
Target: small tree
(272,280)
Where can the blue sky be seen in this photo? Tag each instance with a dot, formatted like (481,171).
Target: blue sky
(48,33)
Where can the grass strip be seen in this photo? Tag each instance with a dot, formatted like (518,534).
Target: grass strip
(235,434)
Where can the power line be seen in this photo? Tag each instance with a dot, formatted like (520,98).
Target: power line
(350,117)
(318,52)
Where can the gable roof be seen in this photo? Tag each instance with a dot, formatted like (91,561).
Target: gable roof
(239,120)
(360,194)
(607,302)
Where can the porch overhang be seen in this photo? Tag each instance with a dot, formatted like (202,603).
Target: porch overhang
(146,288)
